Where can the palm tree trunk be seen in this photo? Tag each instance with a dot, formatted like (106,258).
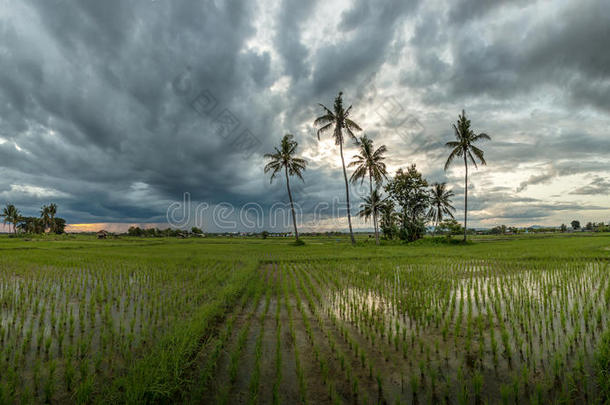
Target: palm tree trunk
(465,196)
(349,215)
(294,220)
(374,209)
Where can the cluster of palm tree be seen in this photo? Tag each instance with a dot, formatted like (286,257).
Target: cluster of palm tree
(48,221)
(369,163)
(11,215)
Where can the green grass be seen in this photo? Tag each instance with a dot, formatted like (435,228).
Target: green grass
(603,366)
(130,320)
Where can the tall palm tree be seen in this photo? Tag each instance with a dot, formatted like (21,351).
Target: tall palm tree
(369,163)
(11,215)
(440,203)
(337,121)
(463,147)
(284,158)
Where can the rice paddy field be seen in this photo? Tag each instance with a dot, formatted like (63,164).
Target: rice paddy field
(232,321)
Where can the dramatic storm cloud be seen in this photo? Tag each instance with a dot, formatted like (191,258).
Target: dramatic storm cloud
(115,109)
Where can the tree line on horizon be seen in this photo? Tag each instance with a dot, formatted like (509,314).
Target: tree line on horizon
(48,221)
(410,201)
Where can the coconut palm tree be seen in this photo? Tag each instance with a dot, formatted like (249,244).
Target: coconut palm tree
(31,225)
(463,147)
(11,215)
(284,158)
(440,203)
(369,163)
(372,207)
(52,209)
(338,120)
(45,216)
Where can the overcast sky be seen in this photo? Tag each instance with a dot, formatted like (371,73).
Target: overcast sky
(114,109)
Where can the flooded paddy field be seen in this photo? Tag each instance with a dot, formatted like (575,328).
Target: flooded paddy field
(378,332)
(221,321)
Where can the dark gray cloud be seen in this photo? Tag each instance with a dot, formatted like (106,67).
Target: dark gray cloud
(345,63)
(539,212)
(88,97)
(503,207)
(564,168)
(115,109)
(293,16)
(598,186)
(562,47)
(465,10)
(542,178)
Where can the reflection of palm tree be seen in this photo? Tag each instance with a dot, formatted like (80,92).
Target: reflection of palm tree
(440,203)
(369,163)
(463,147)
(338,120)
(284,158)
(11,215)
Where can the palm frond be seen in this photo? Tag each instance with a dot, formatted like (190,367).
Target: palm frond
(359,174)
(324,119)
(347,111)
(479,154)
(480,137)
(469,156)
(326,110)
(299,161)
(350,133)
(455,152)
(324,129)
(379,152)
(284,158)
(457,133)
(351,125)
